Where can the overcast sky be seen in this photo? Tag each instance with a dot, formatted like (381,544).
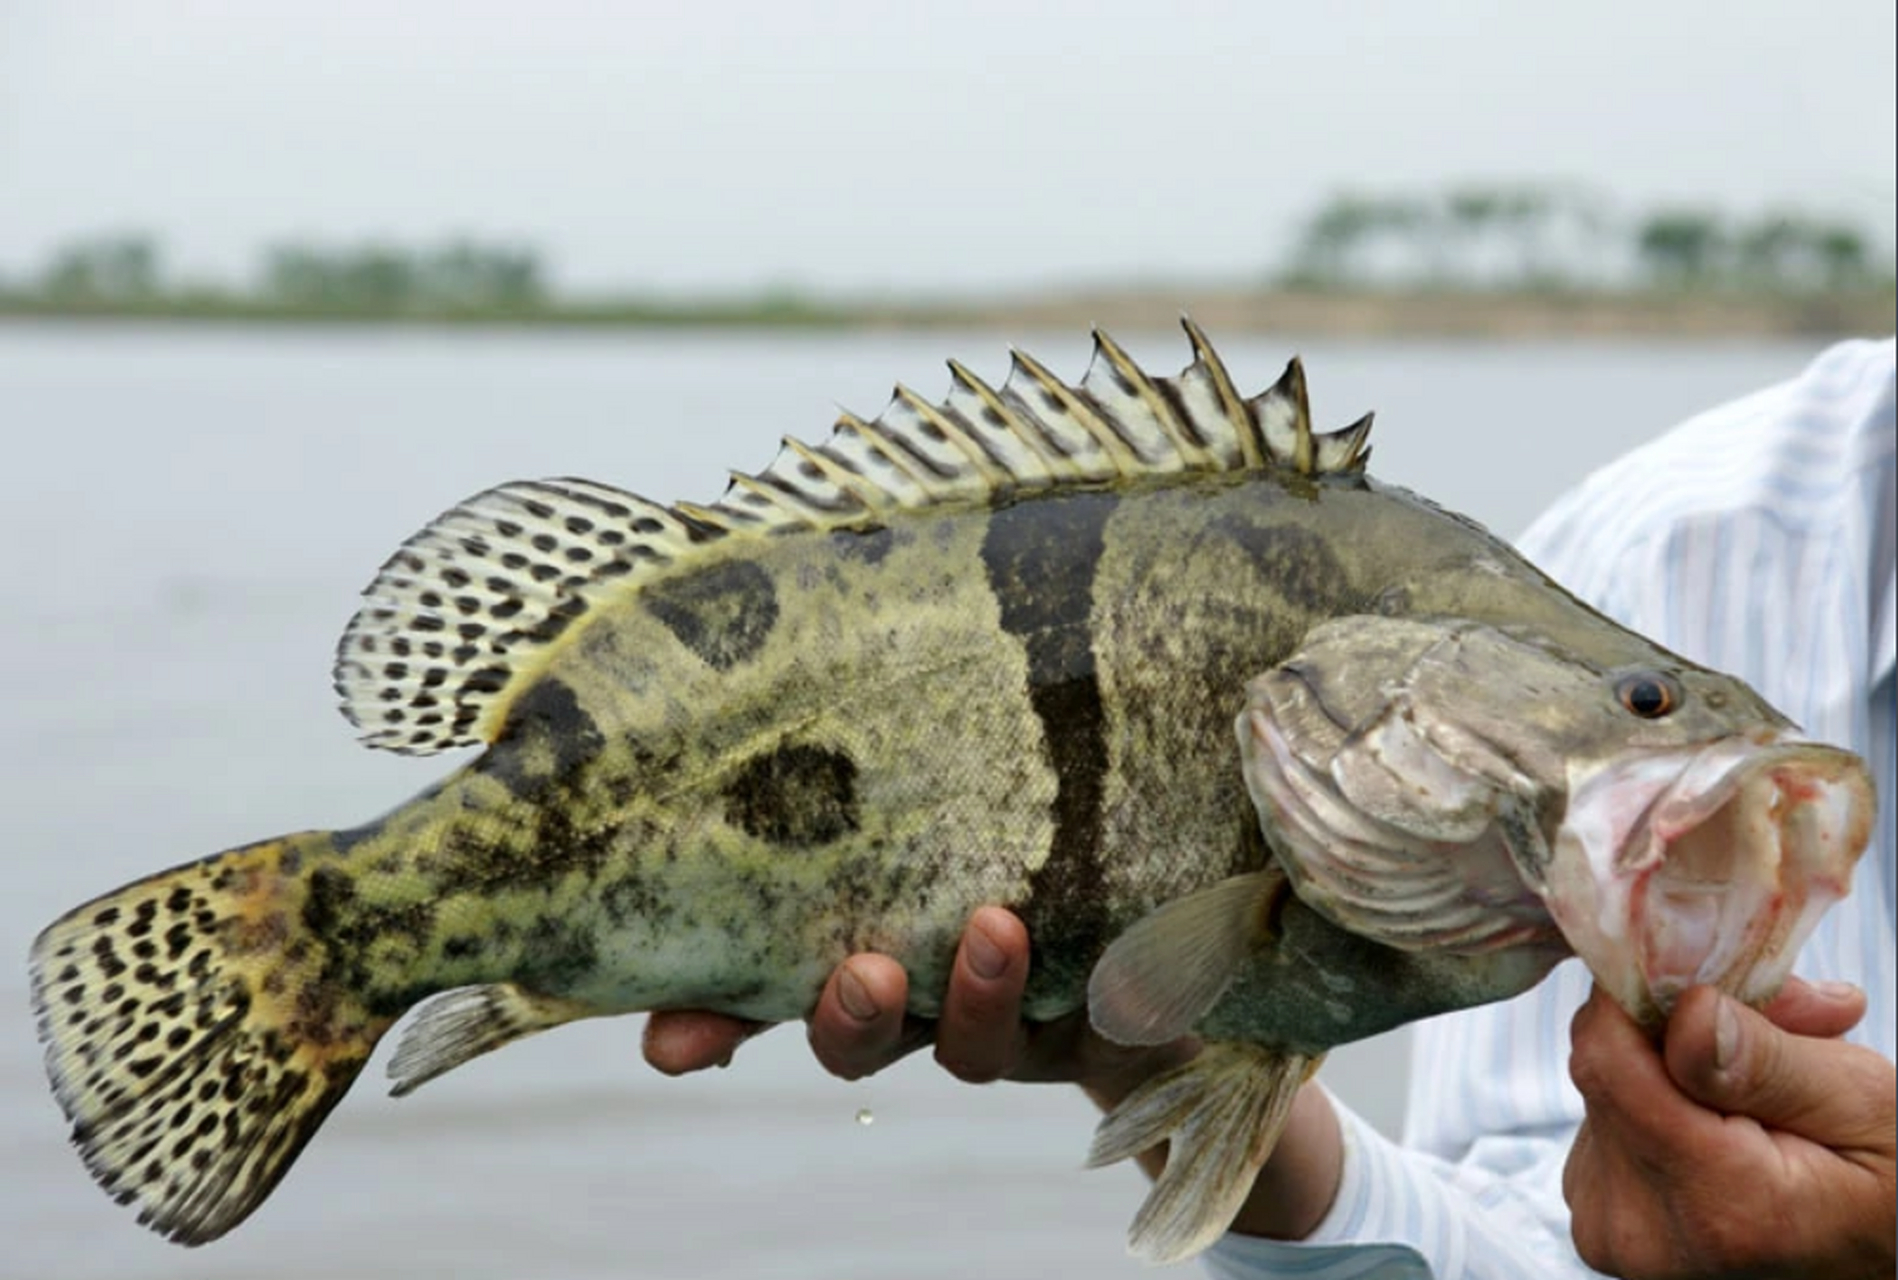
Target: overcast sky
(860,146)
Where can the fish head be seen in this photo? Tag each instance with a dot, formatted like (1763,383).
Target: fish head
(1456,785)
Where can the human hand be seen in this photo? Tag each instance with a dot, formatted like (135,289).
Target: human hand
(860,1025)
(1747,1144)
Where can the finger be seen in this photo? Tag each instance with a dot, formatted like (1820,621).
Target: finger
(1633,1104)
(980,1034)
(1823,1009)
(1590,1183)
(1732,1060)
(681,1041)
(857,1027)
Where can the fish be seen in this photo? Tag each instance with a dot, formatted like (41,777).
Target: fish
(1262,749)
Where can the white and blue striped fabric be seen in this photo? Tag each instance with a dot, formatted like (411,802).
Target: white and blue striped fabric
(1756,539)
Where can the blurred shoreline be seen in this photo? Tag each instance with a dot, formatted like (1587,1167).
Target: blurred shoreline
(1332,312)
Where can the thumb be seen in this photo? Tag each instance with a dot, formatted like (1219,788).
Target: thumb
(1816,1009)
(1730,1059)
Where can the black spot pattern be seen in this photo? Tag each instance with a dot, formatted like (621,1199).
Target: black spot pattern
(548,715)
(723,613)
(798,795)
(190,1088)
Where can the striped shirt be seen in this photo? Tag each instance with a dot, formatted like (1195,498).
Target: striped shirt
(1757,539)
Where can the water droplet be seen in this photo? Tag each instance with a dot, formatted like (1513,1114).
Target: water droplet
(866,1117)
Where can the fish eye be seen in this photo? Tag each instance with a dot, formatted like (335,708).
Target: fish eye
(1648,694)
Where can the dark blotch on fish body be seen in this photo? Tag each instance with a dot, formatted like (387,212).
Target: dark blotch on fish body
(1041,559)
(869,545)
(723,614)
(1298,563)
(548,714)
(798,795)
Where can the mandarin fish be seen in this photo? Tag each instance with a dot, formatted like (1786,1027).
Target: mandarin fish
(1260,748)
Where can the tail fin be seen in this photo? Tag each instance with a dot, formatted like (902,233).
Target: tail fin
(192,1037)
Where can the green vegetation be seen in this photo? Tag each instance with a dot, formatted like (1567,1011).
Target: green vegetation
(461,281)
(1501,259)
(1535,238)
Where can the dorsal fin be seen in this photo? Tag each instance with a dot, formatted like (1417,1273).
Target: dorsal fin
(472,605)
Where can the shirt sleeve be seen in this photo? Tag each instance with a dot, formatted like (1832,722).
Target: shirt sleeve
(1404,1215)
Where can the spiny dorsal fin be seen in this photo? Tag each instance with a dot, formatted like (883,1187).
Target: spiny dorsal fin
(472,605)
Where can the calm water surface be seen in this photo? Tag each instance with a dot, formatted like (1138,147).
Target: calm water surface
(189,519)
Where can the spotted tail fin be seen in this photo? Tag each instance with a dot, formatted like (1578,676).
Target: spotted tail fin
(192,1038)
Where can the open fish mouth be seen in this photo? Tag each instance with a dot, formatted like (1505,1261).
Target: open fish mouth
(1711,866)
(1485,796)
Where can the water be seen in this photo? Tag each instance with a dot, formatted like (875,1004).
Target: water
(189,519)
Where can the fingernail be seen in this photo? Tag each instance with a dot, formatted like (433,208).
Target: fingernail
(1837,990)
(1726,1035)
(985,958)
(854,996)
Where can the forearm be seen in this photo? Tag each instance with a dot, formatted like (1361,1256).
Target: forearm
(1401,1215)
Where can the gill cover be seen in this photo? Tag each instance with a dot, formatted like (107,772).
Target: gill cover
(1391,818)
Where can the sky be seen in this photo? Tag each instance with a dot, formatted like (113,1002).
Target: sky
(873,147)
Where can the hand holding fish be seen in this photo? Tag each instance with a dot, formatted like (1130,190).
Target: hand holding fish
(859,1027)
(1747,1143)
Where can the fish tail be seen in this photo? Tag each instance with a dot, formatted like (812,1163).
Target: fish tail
(195,1034)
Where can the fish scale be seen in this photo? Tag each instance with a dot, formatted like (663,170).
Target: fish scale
(988,650)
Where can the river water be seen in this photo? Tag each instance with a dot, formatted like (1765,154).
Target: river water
(189,517)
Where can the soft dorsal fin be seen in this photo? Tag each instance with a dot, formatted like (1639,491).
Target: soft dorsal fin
(471,606)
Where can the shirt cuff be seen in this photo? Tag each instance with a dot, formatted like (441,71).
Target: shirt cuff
(1360,1235)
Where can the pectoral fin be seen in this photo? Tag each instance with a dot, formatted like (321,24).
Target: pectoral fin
(1221,1115)
(1158,979)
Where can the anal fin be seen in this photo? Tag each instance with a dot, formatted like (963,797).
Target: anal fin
(1221,1115)
(464,1024)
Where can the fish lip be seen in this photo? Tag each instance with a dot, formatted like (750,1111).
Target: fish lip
(1708,865)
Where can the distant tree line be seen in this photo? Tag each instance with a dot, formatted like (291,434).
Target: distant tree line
(461,275)
(1535,237)
(1472,237)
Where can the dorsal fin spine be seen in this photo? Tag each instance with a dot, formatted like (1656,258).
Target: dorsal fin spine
(860,490)
(1125,459)
(1344,449)
(1178,431)
(897,456)
(702,523)
(1304,448)
(1028,431)
(777,495)
(993,475)
(1244,425)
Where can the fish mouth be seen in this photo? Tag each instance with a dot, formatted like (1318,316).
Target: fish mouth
(1711,866)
